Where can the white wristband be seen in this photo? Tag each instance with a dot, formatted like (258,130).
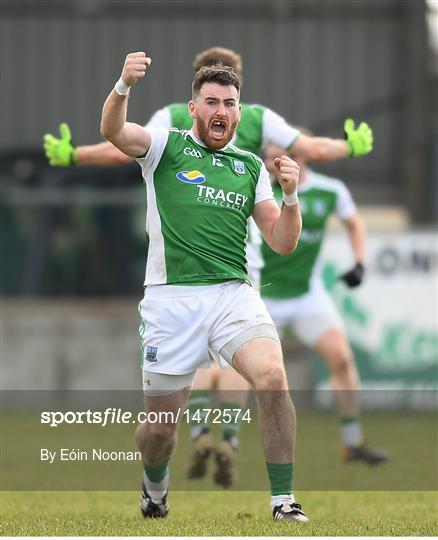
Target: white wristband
(290,200)
(121,88)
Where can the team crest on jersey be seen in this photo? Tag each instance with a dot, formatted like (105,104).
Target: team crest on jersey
(191,177)
(151,353)
(239,166)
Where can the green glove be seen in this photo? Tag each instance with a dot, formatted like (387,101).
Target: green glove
(360,140)
(60,152)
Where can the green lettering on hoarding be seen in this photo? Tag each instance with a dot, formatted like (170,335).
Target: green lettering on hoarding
(404,348)
(330,276)
(352,311)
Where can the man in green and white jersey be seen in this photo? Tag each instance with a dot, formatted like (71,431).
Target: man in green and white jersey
(197,298)
(258,126)
(294,294)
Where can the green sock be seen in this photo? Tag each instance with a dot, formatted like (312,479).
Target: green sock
(231,430)
(281,478)
(199,399)
(156,474)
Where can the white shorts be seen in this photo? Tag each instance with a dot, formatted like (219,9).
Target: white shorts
(183,327)
(309,316)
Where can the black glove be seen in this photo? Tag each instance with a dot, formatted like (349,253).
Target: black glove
(353,278)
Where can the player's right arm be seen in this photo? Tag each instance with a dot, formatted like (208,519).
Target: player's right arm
(130,138)
(61,151)
(103,153)
(357,235)
(346,211)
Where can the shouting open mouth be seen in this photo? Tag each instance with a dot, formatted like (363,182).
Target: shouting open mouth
(218,128)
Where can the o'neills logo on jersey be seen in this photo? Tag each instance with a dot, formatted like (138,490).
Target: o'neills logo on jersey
(191,177)
(219,197)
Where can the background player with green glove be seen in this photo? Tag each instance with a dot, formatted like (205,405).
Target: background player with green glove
(294,294)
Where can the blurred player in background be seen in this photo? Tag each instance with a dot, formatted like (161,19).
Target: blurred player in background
(294,294)
(258,126)
(197,298)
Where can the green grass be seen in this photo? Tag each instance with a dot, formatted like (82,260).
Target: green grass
(218,514)
(398,498)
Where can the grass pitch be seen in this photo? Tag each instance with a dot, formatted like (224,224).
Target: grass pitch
(210,513)
(398,498)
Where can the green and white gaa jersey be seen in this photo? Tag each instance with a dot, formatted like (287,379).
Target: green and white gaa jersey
(258,126)
(199,202)
(293,275)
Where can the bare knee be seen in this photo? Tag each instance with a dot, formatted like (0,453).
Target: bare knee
(162,432)
(342,360)
(260,362)
(271,377)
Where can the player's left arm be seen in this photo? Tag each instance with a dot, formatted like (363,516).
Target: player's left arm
(358,142)
(310,148)
(281,228)
(357,236)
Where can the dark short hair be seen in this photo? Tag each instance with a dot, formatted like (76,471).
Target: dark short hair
(219,55)
(220,74)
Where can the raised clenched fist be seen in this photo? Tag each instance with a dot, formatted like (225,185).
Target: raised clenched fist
(288,172)
(135,67)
